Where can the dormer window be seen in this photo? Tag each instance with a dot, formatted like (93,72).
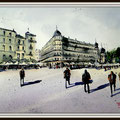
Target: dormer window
(10,34)
(3,32)
(18,41)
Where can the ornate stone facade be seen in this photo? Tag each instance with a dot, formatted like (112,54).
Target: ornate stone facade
(15,46)
(63,50)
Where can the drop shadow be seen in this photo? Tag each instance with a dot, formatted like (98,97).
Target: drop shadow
(78,83)
(30,83)
(117,89)
(75,84)
(100,87)
(116,94)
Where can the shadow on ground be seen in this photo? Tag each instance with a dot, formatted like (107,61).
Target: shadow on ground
(117,89)
(78,83)
(100,87)
(116,94)
(75,84)
(33,82)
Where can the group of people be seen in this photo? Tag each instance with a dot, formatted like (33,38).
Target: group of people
(86,80)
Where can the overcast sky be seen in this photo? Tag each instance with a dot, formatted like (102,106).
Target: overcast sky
(82,23)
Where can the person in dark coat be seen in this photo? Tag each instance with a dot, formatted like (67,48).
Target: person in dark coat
(112,81)
(119,76)
(67,75)
(86,80)
(22,75)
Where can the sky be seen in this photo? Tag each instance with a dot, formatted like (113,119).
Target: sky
(88,24)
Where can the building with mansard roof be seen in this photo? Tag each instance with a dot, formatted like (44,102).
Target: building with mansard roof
(64,50)
(15,46)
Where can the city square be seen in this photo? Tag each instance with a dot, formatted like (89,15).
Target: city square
(51,97)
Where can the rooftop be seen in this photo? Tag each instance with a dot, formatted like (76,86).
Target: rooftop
(57,33)
(19,36)
(8,30)
(28,33)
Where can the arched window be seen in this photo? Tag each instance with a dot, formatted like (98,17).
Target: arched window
(10,48)
(9,40)
(10,34)
(18,48)
(22,55)
(3,32)
(18,55)
(31,46)
(4,56)
(10,56)
(30,53)
(3,40)
(4,47)
(18,41)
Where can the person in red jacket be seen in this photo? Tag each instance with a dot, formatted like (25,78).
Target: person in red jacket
(67,75)
(112,81)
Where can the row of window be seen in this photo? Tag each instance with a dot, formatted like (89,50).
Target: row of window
(18,55)
(67,54)
(75,54)
(10,48)
(4,33)
(4,56)
(57,48)
(65,58)
(18,48)
(19,42)
(10,41)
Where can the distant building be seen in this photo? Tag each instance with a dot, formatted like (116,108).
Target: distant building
(38,54)
(15,46)
(102,56)
(62,50)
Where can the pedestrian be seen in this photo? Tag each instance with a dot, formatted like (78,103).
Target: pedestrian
(86,80)
(67,75)
(119,76)
(112,81)
(22,75)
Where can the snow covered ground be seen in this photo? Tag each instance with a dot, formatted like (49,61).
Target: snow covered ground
(51,96)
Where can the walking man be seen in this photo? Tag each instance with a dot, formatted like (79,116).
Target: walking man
(119,76)
(22,75)
(86,80)
(112,81)
(67,76)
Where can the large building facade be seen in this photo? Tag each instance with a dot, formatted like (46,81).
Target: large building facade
(61,50)
(15,46)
